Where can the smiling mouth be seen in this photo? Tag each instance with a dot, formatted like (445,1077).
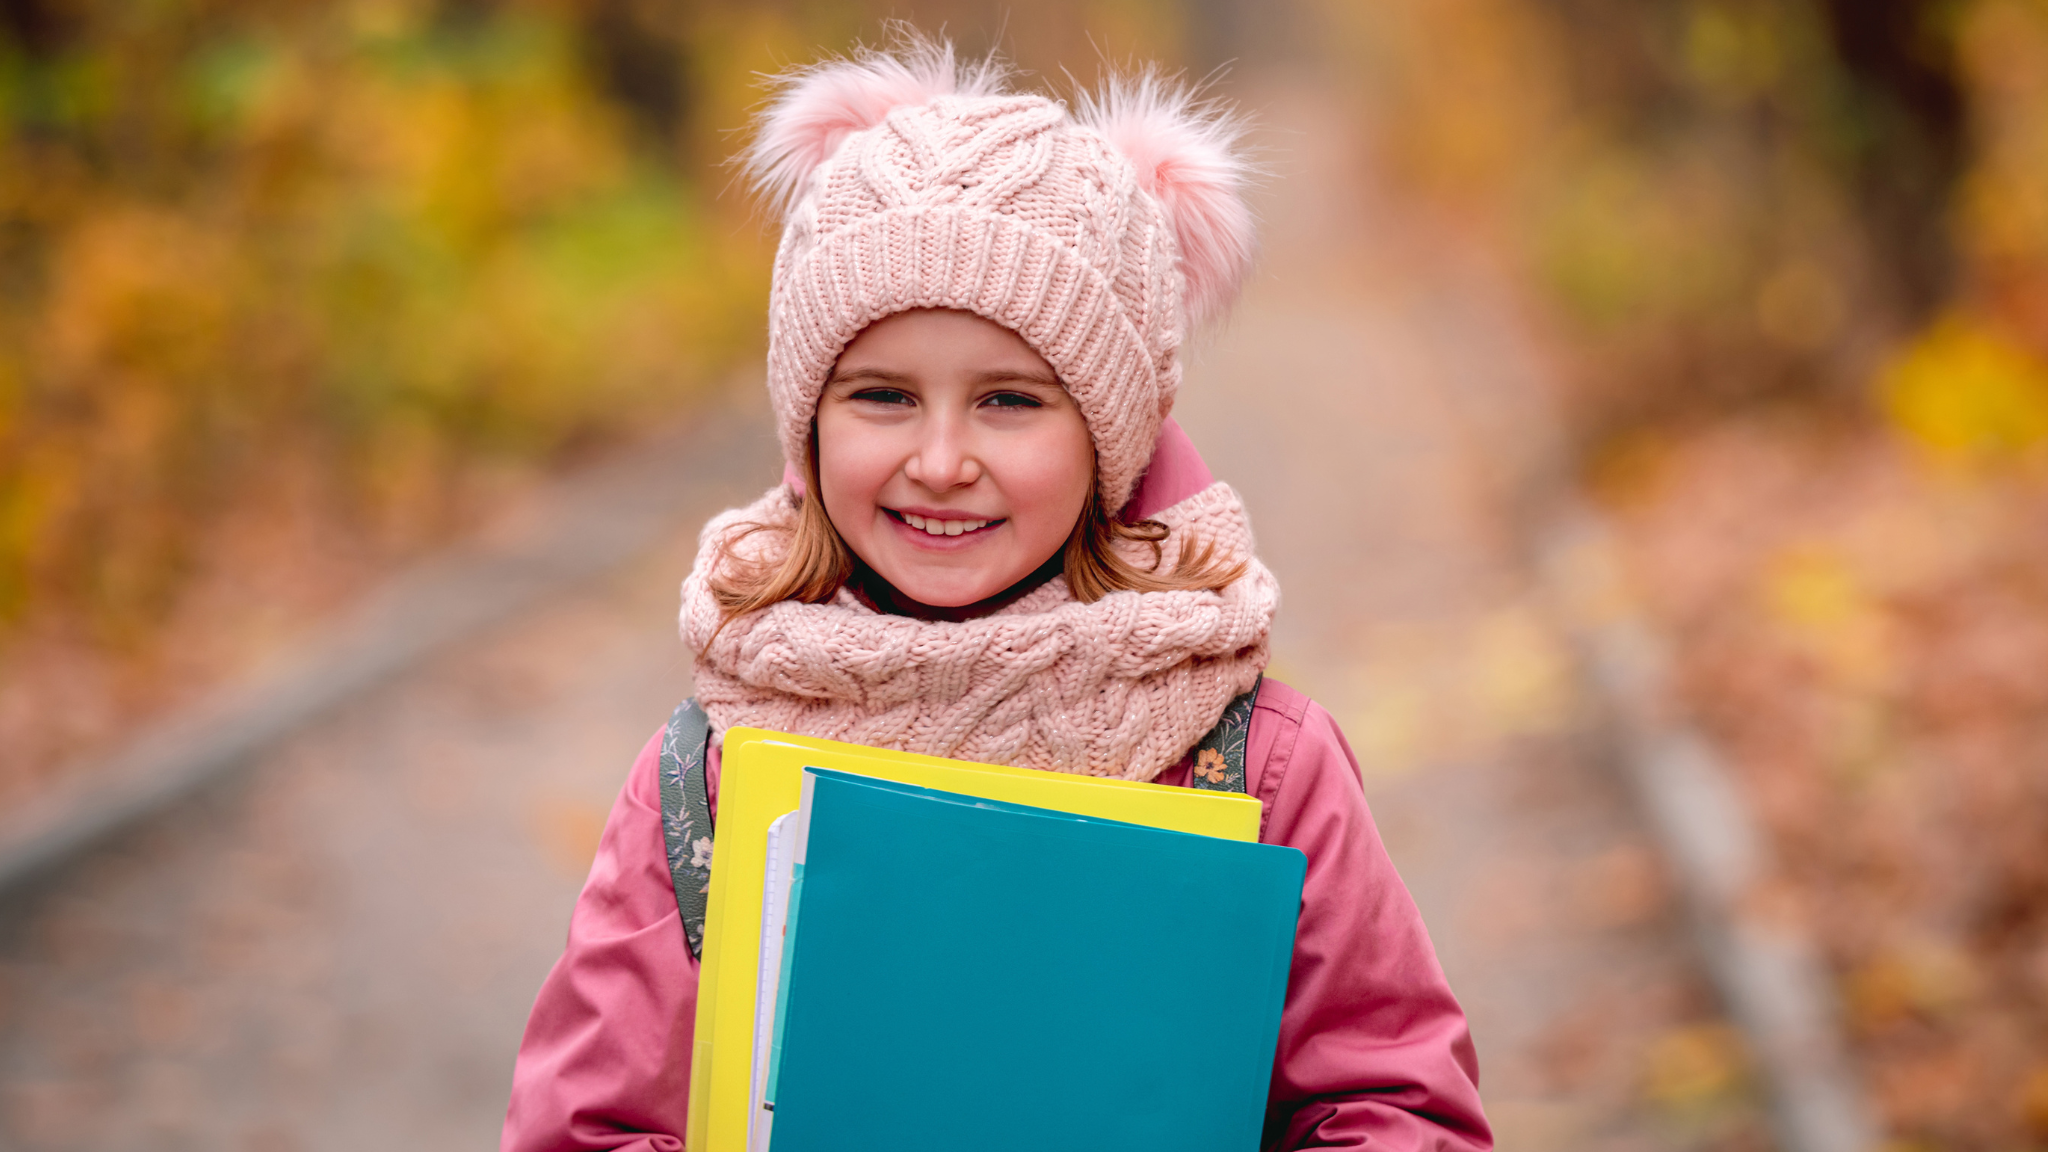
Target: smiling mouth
(933,526)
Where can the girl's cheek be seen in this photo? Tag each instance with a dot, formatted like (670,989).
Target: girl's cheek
(846,483)
(1052,491)
(850,465)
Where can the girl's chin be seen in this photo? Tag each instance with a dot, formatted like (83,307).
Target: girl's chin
(936,590)
(944,586)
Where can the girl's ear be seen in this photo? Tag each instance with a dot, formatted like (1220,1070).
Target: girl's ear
(815,109)
(1187,154)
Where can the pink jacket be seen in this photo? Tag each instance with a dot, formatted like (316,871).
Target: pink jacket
(1374,1051)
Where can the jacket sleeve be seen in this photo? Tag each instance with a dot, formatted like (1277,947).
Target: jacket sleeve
(605,1063)
(1374,1050)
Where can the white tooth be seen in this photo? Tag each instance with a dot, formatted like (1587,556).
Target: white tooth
(955,527)
(935,528)
(913,521)
(976,525)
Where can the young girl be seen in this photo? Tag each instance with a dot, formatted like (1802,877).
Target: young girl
(992,544)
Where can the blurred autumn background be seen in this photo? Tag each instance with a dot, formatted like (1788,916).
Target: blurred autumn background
(1795,258)
(291,293)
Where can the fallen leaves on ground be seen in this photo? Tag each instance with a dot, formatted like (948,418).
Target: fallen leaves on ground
(1862,626)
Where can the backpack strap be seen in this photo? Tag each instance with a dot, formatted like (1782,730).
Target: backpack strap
(686,816)
(1219,756)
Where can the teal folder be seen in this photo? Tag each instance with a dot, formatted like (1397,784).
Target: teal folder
(969,973)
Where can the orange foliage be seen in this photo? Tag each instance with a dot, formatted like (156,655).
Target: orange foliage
(1679,181)
(290,292)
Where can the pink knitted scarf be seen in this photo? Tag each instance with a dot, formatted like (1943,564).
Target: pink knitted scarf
(1122,687)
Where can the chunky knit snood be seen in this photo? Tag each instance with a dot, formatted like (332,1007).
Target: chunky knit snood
(1122,687)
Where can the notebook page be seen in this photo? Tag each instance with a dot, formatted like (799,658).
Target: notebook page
(774,908)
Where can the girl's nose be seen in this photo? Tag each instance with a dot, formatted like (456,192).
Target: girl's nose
(944,460)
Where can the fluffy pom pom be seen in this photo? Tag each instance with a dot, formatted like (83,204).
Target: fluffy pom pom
(814,109)
(1187,156)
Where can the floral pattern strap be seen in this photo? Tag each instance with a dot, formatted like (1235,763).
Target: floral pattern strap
(686,816)
(1219,756)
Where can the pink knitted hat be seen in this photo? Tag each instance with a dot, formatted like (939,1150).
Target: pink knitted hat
(1100,237)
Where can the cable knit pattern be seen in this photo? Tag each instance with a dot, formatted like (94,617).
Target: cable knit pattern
(1122,687)
(1000,205)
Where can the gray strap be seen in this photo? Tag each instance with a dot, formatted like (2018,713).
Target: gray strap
(1219,757)
(686,816)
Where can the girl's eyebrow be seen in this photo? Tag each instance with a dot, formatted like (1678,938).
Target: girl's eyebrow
(882,375)
(1014,376)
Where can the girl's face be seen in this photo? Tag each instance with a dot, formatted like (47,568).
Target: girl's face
(949,457)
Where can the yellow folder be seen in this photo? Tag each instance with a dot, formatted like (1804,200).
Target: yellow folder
(760,778)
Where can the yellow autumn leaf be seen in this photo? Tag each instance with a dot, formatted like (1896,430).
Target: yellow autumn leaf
(1965,392)
(1694,1065)
(1829,609)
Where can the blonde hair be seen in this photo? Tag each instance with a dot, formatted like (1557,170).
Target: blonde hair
(818,563)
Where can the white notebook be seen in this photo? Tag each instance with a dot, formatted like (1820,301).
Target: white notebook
(782,839)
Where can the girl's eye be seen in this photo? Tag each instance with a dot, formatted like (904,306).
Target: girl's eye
(880,396)
(1012,400)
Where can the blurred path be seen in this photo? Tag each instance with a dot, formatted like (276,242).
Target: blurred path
(337,949)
